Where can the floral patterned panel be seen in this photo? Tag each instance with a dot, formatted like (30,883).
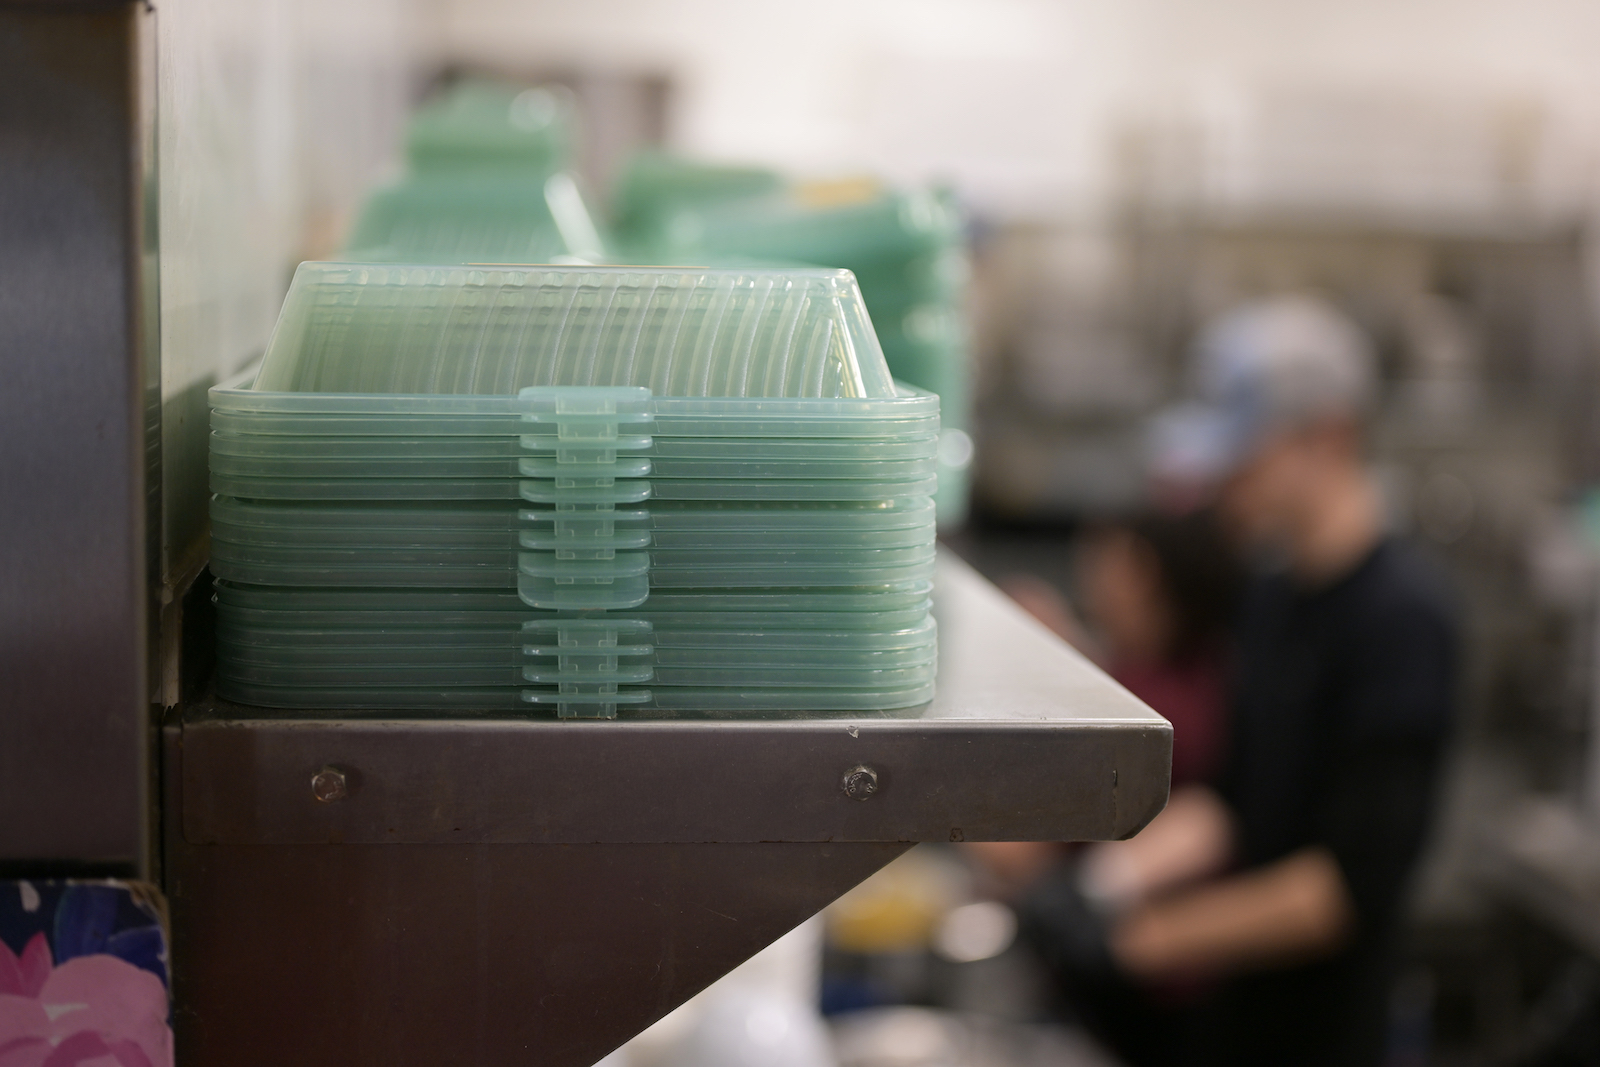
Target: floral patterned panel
(83,975)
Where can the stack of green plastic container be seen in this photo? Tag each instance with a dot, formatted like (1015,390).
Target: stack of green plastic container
(906,248)
(486,182)
(578,489)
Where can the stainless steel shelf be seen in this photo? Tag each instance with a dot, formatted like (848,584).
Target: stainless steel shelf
(1026,741)
(668,848)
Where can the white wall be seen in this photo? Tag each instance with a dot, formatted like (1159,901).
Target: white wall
(1021,101)
(273,117)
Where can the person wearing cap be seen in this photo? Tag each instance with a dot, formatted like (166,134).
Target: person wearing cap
(1285,884)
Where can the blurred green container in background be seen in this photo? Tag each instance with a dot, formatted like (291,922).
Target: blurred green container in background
(906,248)
(487,183)
(481,125)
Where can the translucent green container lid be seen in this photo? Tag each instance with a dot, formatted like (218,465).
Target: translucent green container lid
(665,635)
(776,489)
(766,659)
(237,407)
(318,634)
(889,596)
(778,626)
(493,570)
(386,699)
(751,468)
(492,331)
(742,701)
(511,539)
(438,675)
(511,654)
(327,446)
(823,516)
(707,561)
(243,627)
(246,656)
(665,489)
(775,516)
(917,446)
(765,449)
(532,534)
(815,575)
(421,577)
(428,675)
(731,466)
(908,416)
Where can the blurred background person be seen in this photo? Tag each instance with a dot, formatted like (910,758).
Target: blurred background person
(1287,880)
(1162,591)
(1159,592)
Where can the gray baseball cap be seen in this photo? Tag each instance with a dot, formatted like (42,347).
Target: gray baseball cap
(1263,366)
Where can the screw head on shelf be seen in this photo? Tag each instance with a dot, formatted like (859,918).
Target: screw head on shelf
(860,783)
(329,784)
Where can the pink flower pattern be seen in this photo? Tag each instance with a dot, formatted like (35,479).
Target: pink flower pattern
(92,1011)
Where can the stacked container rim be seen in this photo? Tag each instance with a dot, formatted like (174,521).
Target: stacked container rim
(456,487)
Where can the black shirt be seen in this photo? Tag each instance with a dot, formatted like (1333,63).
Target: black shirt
(1344,703)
